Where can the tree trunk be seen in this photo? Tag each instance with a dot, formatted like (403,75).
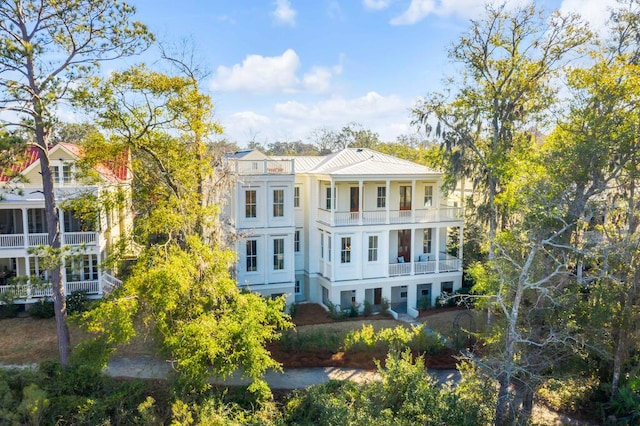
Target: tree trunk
(53,225)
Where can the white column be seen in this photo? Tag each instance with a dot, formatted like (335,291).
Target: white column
(412,250)
(436,240)
(360,197)
(25,227)
(413,200)
(387,201)
(334,201)
(461,239)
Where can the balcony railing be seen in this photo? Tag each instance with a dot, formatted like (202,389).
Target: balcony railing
(13,241)
(26,291)
(263,167)
(450,264)
(380,217)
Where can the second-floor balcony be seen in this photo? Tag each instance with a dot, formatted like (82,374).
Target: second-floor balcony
(381,217)
(18,241)
(446,264)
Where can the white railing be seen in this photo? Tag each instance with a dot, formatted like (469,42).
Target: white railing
(344,218)
(19,291)
(449,265)
(38,240)
(427,267)
(42,290)
(263,167)
(11,240)
(110,283)
(91,287)
(78,238)
(397,269)
(374,217)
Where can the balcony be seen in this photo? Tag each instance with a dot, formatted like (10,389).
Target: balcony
(448,264)
(383,217)
(17,241)
(262,167)
(26,291)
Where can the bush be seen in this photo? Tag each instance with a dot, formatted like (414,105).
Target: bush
(384,305)
(425,303)
(7,308)
(293,310)
(367,308)
(77,302)
(569,395)
(42,309)
(353,310)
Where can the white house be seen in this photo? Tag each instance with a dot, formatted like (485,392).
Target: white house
(351,226)
(23,226)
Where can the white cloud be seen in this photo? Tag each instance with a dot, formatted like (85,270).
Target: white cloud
(293,120)
(259,74)
(417,11)
(595,12)
(273,74)
(376,4)
(284,14)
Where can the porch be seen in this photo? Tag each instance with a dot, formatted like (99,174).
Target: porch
(386,217)
(446,263)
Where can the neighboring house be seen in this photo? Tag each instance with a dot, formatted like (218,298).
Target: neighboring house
(23,226)
(351,226)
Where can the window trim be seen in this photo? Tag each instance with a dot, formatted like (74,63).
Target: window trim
(296,197)
(251,257)
(278,202)
(428,196)
(373,249)
(250,205)
(345,250)
(278,256)
(381,200)
(297,239)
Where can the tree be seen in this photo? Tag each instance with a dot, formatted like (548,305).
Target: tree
(46,48)
(509,60)
(181,285)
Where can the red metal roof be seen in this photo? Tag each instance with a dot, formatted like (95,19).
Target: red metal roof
(114,170)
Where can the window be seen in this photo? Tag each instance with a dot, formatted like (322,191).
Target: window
(328,198)
(321,245)
(296,241)
(37,269)
(90,267)
(405,198)
(250,203)
(296,196)
(447,287)
(55,174)
(373,248)
(278,203)
(72,223)
(66,174)
(297,287)
(382,197)
(345,250)
(426,241)
(329,247)
(252,255)
(37,221)
(278,254)
(428,196)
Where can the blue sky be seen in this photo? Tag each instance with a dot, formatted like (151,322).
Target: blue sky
(280,69)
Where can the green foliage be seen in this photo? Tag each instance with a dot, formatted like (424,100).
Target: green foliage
(77,302)
(310,340)
(570,395)
(42,309)
(406,395)
(395,339)
(625,404)
(367,308)
(7,308)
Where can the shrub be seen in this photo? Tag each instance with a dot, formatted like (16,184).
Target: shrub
(77,302)
(384,305)
(569,395)
(7,308)
(293,310)
(353,310)
(367,308)
(42,309)
(425,303)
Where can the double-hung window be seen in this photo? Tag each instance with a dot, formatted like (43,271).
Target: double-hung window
(296,196)
(382,197)
(428,196)
(296,241)
(373,248)
(252,255)
(278,203)
(345,250)
(426,241)
(250,203)
(278,254)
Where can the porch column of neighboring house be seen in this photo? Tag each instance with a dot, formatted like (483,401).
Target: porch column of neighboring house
(460,241)
(413,251)
(414,199)
(27,273)
(360,295)
(334,201)
(360,197)
(412,301)
(387,203)
(25,228)
(436,239)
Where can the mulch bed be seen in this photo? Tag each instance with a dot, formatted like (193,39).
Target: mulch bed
(311,313)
